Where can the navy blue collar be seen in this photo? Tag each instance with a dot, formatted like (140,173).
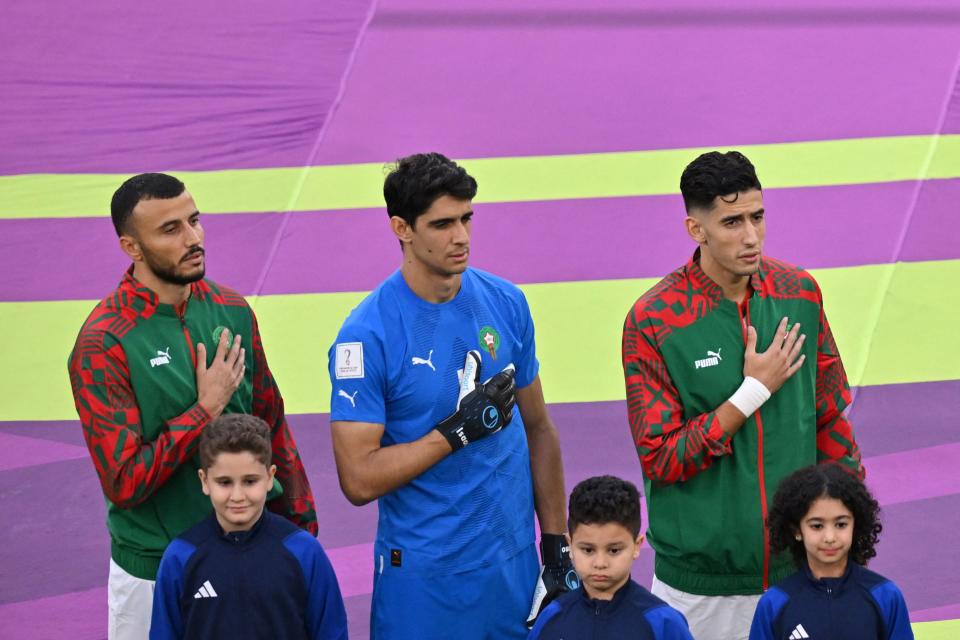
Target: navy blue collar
(603,607)
(828,585)
(239,537)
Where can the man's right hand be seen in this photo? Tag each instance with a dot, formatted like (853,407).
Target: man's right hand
(483,408)
(780,361)
(216,383)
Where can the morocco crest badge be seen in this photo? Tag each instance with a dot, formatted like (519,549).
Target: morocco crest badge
(490,340)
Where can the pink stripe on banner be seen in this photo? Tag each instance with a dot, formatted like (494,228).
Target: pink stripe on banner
(354,568)
(81,615)
(19,451)
(918,474)
(946,612)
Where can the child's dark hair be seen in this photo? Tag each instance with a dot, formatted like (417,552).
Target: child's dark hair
(604,499)
(801,489)
(235,433)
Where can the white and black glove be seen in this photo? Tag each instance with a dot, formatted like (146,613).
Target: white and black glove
(482,408)
(557,575)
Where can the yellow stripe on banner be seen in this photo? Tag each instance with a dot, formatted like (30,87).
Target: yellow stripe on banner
(940,630)
(508,179)
(578,337)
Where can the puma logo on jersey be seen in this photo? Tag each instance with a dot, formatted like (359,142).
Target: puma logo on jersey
(428,361)
(713,359)
(163,357)
(351,398)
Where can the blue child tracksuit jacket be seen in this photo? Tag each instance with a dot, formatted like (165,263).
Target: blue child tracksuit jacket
(273,581)
(633,613)
(860,604)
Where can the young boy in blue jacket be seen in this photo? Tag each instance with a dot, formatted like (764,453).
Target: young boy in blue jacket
(829,521)
(244,572)
(605,539)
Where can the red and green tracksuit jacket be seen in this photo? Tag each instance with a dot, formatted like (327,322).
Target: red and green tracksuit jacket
(133,374)
(708,493)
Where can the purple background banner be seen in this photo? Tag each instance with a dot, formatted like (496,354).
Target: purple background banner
(115,87)
(526,242)
(111,86)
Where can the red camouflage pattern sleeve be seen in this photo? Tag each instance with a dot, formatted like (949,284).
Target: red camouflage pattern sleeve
(670,448)
(130,470)
(296,503)
(835,439)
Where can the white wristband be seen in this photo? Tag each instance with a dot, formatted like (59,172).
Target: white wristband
(750,396)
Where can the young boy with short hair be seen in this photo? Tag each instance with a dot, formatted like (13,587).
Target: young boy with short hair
(244,572)
(605,539)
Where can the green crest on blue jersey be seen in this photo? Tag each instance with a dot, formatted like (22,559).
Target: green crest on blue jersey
(490,340)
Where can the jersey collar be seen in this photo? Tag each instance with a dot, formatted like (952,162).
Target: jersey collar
(710,288)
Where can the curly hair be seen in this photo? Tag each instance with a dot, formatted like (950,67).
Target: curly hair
(414,183)
(235,433)
(716,174)
(802,488)
(604,499)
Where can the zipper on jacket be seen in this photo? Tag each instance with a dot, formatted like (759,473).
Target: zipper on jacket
(182,315)
(830,605)
(743,310)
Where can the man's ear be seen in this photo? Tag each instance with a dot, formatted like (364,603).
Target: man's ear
(401,229)
(694,225)
(130,246)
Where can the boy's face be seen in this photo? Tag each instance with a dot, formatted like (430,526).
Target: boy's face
(237,484)
(603,554)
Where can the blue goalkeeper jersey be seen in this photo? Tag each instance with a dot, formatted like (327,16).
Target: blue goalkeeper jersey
(397,362)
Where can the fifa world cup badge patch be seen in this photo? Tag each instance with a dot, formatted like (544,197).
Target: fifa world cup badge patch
(490,340)
(349,362)
(218,331)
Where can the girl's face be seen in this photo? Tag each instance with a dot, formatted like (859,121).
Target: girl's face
(827,534)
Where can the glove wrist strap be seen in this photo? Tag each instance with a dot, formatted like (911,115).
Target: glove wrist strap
(554,549)
(452,430)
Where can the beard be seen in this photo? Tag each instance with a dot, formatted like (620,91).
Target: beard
(171,273)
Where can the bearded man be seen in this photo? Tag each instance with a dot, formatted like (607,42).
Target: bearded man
(146,383)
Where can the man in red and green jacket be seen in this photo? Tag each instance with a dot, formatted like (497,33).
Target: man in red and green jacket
(733,381)
(154,363)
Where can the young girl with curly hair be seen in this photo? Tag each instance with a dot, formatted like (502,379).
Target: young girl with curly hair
(828,520)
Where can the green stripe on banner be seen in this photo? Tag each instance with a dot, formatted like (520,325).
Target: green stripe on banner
(914,338)
(509,179)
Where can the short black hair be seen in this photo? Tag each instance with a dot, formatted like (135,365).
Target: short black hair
(235,433)
(145,186)
(414,183)
(604,499)
(802,488)
(716,174)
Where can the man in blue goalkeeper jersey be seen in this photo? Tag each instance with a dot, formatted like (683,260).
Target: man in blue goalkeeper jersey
(458,466)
